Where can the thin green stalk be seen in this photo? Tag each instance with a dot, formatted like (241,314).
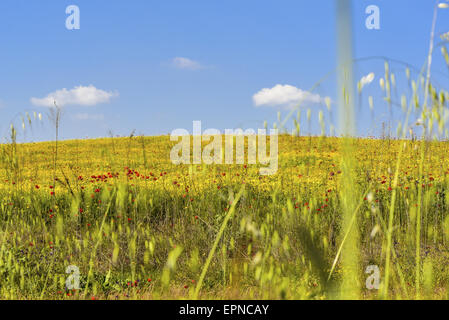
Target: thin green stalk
(392,207)
(217,240)
(393,251)
(350,252)
(346,235)
(94,251)
(418,221)
(421,163)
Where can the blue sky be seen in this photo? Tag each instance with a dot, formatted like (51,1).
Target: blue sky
(235,49)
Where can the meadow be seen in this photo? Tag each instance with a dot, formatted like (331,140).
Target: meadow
(342,218)
(139,227)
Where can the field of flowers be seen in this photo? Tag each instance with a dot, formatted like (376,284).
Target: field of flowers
(137,226)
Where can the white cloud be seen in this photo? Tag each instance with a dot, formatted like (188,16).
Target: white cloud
(83,96)
(285,96)
(185,63)
(87,116)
